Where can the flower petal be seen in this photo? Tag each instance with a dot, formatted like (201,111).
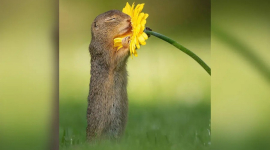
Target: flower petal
(141,15)
(145,16)
(137,44)
(135,54)
(118,42)
(132,11)
(143,22)
(127,9)
(119,47)
(141,39)
(137,10)
(145,36)
(137,30)
(142,28)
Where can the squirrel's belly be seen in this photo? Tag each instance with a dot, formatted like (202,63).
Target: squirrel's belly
(117,121)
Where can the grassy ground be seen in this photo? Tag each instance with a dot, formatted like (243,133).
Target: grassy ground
(150,126)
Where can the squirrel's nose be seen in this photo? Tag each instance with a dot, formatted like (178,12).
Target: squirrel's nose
(128,20)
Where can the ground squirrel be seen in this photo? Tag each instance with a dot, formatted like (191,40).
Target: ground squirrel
(108,101)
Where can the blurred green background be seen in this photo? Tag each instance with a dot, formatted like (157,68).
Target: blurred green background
(169,93)
(240,90)
(28,73)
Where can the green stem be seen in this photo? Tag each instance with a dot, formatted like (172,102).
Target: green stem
(183,49)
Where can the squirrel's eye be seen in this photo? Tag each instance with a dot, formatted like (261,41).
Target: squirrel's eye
(110,19)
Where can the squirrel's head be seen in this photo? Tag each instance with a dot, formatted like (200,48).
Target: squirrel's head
(105,28)
(110,24)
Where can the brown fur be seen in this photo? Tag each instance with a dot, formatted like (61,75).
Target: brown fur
(108,101)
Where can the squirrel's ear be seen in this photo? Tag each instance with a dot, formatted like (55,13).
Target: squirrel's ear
(95,24)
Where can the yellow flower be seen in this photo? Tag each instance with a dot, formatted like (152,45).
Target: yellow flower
(138,21)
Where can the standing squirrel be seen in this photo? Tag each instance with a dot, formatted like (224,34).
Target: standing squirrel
(108,101)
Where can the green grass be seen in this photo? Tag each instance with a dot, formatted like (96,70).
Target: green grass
(150,126)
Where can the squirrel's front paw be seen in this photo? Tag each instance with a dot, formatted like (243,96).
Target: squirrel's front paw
(124,51)
(126,42)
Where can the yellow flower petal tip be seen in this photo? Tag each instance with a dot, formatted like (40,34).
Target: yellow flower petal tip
(138,21)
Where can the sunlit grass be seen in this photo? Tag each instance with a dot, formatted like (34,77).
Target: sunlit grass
(150,126)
